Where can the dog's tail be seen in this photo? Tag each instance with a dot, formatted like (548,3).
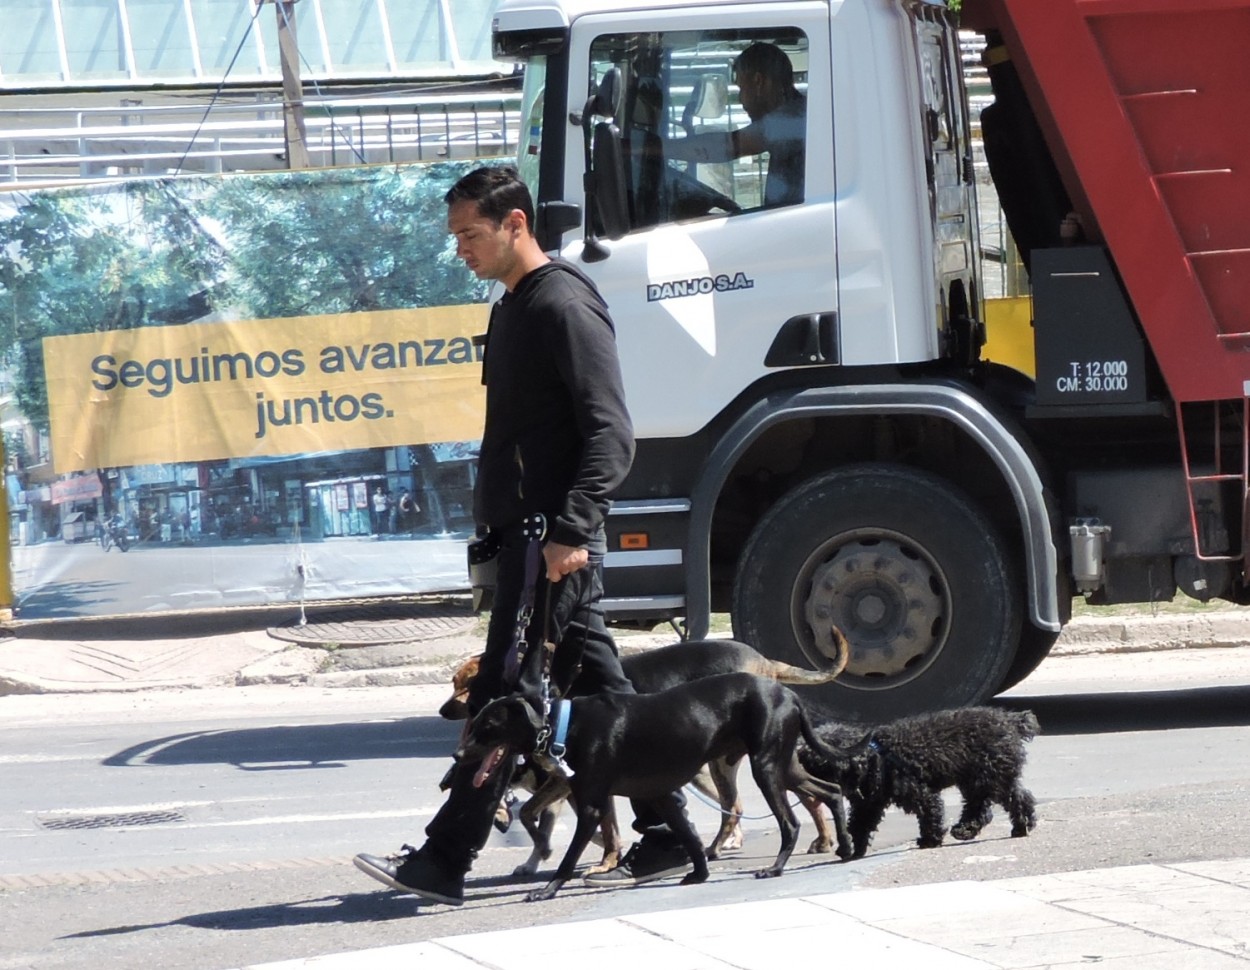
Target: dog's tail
(1025,723)
(785,673)
(826,750)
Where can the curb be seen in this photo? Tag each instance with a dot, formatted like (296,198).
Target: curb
(438,658)
(1138,634)
(1084,636)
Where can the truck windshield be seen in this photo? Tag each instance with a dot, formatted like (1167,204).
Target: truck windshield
(529,148)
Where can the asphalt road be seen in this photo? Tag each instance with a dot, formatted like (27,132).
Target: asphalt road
(244,806)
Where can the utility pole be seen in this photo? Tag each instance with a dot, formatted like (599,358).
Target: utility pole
(292,88)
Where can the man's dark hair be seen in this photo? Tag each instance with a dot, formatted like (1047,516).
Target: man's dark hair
(768,60)
(497,191)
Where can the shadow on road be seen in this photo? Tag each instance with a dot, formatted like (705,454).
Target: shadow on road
(371,907)
(1149,710)
(289,747)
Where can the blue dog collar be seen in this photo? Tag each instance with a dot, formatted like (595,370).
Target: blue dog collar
(562,711)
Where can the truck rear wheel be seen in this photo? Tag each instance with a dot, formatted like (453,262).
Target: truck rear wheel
(910,570)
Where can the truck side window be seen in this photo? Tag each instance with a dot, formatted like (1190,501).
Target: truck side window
(711,122)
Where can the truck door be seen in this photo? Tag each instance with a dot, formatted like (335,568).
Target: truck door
(726,267)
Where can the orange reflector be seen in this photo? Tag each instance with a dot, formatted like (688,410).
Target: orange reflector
(635,540)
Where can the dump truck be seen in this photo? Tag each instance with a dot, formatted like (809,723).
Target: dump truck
(822,441)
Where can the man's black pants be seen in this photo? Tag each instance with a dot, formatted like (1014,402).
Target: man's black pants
(586,654)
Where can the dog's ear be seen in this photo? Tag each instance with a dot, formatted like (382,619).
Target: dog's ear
(869,767)
(492,712)
(523,708)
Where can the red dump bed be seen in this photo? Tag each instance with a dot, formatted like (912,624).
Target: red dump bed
(1146,106)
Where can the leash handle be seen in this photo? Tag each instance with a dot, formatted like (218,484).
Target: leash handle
(533,528)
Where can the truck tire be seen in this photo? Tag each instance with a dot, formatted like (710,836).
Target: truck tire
(910,570)
(1034,647)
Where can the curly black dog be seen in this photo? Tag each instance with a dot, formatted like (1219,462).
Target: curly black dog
(645,746)
(910,761)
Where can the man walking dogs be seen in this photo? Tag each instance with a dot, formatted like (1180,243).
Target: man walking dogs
(557,443)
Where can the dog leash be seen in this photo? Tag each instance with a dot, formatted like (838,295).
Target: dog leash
(716,806)
(533,528)
(556,709)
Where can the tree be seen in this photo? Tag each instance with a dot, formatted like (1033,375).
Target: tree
(341,241)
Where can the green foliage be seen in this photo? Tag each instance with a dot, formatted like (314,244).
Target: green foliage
(154,253)
(92,260)
(341,241)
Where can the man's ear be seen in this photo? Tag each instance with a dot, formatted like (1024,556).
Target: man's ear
(515,221)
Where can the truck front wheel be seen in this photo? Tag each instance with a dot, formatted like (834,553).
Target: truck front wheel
(910,570)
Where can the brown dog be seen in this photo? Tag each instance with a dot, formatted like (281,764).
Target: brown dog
(652,671)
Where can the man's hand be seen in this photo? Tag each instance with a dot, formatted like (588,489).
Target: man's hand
(562,560)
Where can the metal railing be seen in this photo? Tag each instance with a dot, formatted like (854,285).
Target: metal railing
(49,145)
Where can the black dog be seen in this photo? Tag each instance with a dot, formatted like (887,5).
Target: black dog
(910,761)
(651,671)
(645,746)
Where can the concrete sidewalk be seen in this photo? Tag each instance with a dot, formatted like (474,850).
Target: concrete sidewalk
(420,645)
(342,646)
(1189,916)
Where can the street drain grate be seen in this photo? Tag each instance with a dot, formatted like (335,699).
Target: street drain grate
(117,821)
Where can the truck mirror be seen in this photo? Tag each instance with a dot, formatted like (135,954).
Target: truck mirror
(553,219)
(607,208)
(607,181)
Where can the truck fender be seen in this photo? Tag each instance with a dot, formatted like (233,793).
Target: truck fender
(992,432)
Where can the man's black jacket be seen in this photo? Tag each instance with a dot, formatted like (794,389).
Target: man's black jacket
(558,438)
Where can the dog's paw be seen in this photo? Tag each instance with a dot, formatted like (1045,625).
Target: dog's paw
(772,872)
(929,842)
(505,813)
(547,892)
(525,869)
(694,878)
(964,833)
(819,845)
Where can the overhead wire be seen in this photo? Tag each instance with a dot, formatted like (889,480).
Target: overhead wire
(212,103)
(335,124)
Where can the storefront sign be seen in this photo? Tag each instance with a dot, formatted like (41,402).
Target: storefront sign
(77,488)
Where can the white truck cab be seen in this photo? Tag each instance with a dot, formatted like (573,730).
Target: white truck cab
(861,269)
(781,268)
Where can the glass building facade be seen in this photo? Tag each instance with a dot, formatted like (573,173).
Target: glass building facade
(51,44)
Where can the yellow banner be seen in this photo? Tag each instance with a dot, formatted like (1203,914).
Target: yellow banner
(205,391)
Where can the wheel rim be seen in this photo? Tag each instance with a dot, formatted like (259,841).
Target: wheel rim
(886,594)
